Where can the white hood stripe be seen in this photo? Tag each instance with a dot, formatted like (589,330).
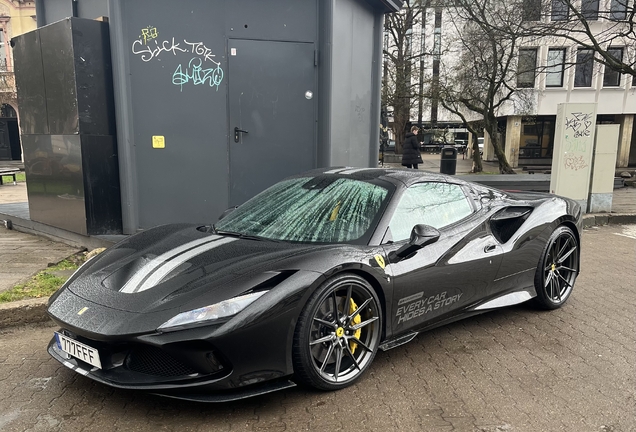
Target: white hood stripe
(163,271)
(142,274)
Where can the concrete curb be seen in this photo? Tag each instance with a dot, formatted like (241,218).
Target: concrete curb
(34,310)
(23,312)
(600,219)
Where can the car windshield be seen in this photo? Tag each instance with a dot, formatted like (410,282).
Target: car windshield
(326,209)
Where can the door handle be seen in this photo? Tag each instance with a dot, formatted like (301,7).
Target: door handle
(490,248)
(238,131)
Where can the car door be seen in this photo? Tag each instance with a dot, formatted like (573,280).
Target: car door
(444,277)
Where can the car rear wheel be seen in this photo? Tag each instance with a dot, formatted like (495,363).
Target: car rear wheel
(338,333)
(557,269)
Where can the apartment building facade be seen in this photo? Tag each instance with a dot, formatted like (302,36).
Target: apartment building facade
(558,71)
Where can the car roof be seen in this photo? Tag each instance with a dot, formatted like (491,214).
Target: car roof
(396,176)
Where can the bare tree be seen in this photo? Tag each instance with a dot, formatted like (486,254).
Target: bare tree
(479,81)
(600,26)
(402,81)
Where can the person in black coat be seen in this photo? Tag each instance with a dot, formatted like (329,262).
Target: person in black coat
(411,149)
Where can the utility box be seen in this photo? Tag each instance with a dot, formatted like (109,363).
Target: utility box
(65,92)
(218,99)
(572,157)
(605,150)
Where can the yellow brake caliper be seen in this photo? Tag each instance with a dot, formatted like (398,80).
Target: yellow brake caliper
(357,320)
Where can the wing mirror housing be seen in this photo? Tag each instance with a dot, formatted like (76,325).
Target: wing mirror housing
(421,235)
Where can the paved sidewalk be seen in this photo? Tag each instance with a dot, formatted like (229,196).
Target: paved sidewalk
(23,255)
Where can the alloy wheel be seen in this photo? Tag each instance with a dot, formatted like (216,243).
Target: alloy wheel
(344,332)
(560,267)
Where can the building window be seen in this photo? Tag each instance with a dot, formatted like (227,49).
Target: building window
(560,10)
(554,68)
(618,9)
(537,137)
(584,68)
(3,52)
(531,10)
(612,78)
(589,9)
(526,69)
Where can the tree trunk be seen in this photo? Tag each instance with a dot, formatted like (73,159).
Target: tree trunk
(491,128)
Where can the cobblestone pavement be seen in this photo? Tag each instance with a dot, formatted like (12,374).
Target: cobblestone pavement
(23,255)
(511,370)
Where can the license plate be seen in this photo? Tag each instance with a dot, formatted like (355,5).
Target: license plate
(78,350)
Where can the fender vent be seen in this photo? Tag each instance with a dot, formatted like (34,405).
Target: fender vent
(506,223)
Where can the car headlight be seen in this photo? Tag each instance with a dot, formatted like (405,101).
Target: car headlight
(222,309)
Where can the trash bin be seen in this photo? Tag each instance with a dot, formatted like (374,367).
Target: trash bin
(448,164)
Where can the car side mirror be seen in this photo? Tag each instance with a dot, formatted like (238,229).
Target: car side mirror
(227,212)
(421,235)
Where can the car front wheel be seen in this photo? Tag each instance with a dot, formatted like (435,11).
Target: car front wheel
(557,269)
(338,333)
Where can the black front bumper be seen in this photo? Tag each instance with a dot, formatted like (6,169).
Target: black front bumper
(131,367)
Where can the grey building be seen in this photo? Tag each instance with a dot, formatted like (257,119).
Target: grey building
(217,99)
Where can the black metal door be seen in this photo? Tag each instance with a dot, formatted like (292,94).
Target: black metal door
(272,114)
(5,144)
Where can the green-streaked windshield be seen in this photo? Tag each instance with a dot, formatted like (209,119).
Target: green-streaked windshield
(325,209)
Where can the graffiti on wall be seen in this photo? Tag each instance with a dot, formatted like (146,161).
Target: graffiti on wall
(578,136)
(575,162)
(195,73)
(201,69)
(579,123)
(148,33)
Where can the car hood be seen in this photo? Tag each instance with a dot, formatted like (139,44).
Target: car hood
(180,266)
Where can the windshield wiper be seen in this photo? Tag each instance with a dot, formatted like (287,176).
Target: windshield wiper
(241,235)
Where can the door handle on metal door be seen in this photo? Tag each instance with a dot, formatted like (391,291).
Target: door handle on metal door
(238,131)
(490,248)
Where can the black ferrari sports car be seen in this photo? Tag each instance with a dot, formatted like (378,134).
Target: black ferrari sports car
(305,282)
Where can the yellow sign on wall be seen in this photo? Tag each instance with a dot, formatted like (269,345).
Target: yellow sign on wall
(158,141)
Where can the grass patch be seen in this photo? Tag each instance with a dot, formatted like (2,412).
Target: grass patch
(20,177)
(44,283)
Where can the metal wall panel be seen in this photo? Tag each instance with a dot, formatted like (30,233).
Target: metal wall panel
(92,9)
(55,181)
(29,77)
(274,20)
(70,182)
(59,76)
(101,186)
(351,75)
(178,93)
(93,77)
